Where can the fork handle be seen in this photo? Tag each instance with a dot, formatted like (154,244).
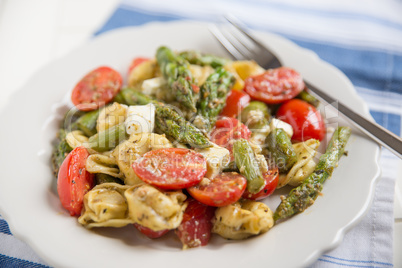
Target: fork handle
(378,133)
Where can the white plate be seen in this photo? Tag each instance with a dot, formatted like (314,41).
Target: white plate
(30,205)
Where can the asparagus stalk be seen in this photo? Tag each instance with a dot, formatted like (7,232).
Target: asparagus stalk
(129,96)
(196,57)
(248,165)
(168,121)
(303,196)
(256,117)
(60,151)
(107,139)
(87,123)
(281,150)
(304,95)
(180,81)
(105,178)
(213,96)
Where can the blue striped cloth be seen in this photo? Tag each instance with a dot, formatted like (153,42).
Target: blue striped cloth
(361,38)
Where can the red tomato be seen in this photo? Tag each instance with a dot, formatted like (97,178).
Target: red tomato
(224,189)
(228,129)
(195,228)
(149,232)
(274,85)
(74,181)
(171,168)
(96,89)
(271,179)
(235,103)
(306,121)
(136,62)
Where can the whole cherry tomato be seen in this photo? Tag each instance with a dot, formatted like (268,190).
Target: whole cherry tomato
(306,121)
(235,103)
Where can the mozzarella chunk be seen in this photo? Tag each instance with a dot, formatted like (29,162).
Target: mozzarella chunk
(140,119)
(242,219)
(276,123)
(153,85)
(155,209)
(217,159)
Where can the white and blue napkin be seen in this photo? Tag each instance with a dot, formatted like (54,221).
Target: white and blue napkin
(362,38)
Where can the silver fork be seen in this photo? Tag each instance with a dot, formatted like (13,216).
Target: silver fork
(243,46)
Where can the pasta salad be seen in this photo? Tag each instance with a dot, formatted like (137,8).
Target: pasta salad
(193,144)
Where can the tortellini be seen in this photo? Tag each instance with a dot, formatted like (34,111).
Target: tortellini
(76,139)
(155,209)
(146,70)
(133,148)
(106,164)
(304,165)
(110,116)
(115,205)
(105,206)
(242,219)
(217,159)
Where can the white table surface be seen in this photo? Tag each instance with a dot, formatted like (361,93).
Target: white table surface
(33,33)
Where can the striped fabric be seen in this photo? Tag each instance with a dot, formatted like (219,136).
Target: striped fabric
(361,38)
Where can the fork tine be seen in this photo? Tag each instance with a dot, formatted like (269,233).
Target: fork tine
(270,60)
(225,42)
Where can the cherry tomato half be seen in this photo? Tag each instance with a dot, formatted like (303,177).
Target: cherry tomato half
(222,190)
(171,168)
(235,103)
(149,232)
(306,121)
(195,228)
(96,89)
(274,85)
(271,178)
(136,62)
(228,129)
(74,181)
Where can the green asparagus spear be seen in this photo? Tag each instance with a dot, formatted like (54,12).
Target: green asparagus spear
(105,178)
(60,151)
(180,81)
(213,96)
(280,149)
(130,96)
(107,139)
(87,122)
(304,95)
(168,121)
(248,165)
(196,57)
(303,196)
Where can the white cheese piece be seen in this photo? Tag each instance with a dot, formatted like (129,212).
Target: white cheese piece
(217,158)
(140,119)
(276,123)
(151,86)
